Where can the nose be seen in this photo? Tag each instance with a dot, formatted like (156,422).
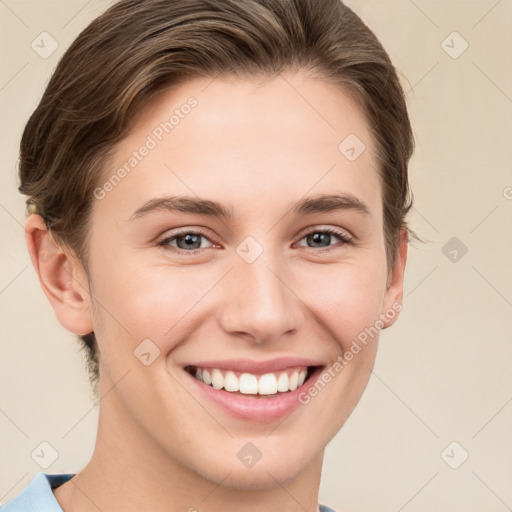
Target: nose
(259,303)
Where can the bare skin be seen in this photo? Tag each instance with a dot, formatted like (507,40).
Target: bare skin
(256,147)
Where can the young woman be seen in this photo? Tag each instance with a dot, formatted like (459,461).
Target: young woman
(217,194)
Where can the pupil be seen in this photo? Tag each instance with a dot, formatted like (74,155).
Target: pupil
(189,240)
(319,237)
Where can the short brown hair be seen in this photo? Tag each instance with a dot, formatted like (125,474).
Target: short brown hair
(139,47)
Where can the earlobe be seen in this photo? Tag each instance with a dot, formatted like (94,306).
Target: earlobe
(62,277)
(395,284)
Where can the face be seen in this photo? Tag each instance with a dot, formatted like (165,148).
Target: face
(282,285)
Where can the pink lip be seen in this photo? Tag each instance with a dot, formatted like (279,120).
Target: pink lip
(257,367)
(256,409)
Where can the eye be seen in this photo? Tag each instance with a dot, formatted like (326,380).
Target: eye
(186,241)
(322,238)
(191,241)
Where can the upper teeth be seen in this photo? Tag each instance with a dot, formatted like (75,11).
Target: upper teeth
(248,383)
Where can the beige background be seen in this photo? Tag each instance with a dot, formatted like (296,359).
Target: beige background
(443,372)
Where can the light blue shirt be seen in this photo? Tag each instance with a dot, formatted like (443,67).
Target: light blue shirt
(38,495)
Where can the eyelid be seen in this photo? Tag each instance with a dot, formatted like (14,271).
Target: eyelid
(345,239)
(193,230)
(343,235)
(340,232)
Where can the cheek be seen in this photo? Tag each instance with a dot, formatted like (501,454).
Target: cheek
(142,301)
(346,299)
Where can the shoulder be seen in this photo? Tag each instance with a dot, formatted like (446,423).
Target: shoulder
(325,508)
(37,495)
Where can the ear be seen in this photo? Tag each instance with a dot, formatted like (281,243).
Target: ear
(395,283)
(62,277)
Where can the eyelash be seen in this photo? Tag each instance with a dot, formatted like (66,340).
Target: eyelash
(345,239)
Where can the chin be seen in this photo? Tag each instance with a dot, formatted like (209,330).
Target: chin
(278,467)
(258,478)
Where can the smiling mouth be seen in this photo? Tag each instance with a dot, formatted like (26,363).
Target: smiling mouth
(268,385)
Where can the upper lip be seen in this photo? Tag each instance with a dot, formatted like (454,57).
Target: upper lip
(253,366)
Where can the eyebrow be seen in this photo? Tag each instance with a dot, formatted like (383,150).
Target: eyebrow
(185,204)
(330,202)
(189,204)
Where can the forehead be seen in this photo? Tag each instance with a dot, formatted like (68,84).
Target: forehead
(244,139)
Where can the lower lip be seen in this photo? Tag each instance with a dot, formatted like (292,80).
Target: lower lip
(256,409)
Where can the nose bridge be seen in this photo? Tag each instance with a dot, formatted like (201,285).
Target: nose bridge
(257,301)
